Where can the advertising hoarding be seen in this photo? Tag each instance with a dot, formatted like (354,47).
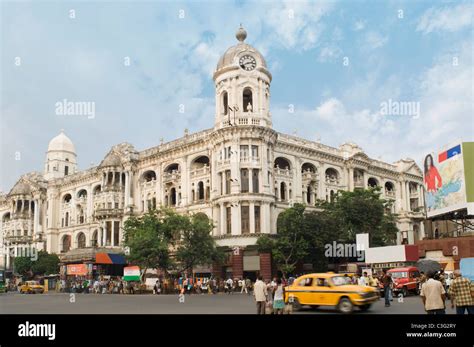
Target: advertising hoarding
(444,179)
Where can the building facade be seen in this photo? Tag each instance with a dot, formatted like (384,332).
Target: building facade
(241,173)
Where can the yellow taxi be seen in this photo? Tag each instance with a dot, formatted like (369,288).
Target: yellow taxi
(329,289)
(31,287)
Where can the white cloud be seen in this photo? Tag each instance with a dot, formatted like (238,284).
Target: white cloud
(359,25)
(375,40)
(329,53)
(446,19)
(296,24)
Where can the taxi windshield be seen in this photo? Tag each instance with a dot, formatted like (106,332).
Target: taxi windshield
(341,280)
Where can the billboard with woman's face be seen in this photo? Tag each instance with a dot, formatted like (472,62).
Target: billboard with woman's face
(445,189)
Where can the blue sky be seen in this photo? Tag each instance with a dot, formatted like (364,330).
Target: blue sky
(397,50)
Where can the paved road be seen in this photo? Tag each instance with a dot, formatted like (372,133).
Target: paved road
(167,304)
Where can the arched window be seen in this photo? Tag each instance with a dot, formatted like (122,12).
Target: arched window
(81,240)
(308,167)
(67,198)
(149,175)
(372,182)
(247,104)
(82,194)
(282,163)
(66,243)
(332,174)
(225,102)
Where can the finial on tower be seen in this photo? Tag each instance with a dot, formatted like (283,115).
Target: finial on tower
(241,34)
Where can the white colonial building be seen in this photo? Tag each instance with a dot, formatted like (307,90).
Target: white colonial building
(241,173)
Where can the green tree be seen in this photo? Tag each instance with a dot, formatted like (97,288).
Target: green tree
(46,264)
(22,266)
(322,229)
(149,239)
(363,211)
(291,243)
(196,245)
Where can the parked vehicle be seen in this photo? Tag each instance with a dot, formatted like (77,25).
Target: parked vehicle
(405,280)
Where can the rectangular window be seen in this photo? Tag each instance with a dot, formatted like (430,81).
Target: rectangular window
(245,219)
(255,182)
(254,151)
(229,220)
(66,170)
(257,218)
(227,182)
(244,178)
(244,151)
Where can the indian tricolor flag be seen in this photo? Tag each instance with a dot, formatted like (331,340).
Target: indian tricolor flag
(449,153)
(131,273)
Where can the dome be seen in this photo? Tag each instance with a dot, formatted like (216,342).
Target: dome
(21,188)
(229,56)
(61,143)
(111,160)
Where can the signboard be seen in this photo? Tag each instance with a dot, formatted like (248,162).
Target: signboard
(131,273)
(77,269)
(445,188)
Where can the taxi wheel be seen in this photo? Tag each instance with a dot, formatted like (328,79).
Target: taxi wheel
(296,305)
(345,306)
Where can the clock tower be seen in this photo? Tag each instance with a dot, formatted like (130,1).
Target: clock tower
(242,83)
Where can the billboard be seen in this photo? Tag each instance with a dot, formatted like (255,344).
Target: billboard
(77,269)
(445,179)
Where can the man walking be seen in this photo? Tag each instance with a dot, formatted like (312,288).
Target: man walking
(260,294)
(387,286)
(433,295)
(461,293)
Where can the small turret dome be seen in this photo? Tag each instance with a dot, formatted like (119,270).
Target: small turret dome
(61,143)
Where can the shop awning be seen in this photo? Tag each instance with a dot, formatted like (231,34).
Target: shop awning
(109,258)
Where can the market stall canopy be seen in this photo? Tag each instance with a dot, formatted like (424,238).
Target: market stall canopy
(109,258)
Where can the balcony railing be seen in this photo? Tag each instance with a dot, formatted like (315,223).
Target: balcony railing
(309,176)
(282,172)
(108,212)
(19,239)
(333,180)
(390,193)
(171,176)
(149,184)
(203,171)
(359,183)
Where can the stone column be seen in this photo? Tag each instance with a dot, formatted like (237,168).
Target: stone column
(252,217)
(36,217)
(112,233)
(127,189)
(223,222)
(235,218)
(407,190)
(351,179)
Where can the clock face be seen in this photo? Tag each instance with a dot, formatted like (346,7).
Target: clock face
(247,62)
